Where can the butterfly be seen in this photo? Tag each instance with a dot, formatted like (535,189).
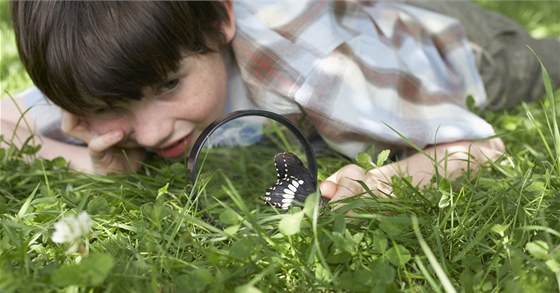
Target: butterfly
(294,182)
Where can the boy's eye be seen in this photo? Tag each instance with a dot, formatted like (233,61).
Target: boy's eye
(107,111)
(168,86)
(103,110)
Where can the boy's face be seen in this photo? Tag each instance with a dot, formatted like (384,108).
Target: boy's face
(170,117)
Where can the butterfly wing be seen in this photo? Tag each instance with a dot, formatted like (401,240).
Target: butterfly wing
(294,182)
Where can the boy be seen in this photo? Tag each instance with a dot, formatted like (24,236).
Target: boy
(139,76)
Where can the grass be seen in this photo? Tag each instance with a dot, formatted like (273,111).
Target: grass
(496,231)
(539,17)
(13,78)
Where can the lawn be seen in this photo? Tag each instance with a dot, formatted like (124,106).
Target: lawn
(498,230)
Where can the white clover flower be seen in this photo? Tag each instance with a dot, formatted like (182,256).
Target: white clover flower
(71,229)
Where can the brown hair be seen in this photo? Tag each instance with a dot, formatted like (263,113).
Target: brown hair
(81,53)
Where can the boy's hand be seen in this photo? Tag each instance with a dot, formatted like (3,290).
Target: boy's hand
(344,183)
(450,159)
(104,153)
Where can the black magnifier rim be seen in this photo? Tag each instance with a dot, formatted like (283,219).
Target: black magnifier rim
(205,134)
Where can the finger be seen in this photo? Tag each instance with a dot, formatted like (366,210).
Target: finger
(347,187)
(99,146)
(343,183)
(328,189)
(379,184)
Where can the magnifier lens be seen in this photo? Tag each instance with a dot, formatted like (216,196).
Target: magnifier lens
(235,166)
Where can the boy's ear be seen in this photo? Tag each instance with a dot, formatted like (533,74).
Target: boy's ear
(229,27)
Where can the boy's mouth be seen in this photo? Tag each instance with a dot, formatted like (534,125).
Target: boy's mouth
(177,149)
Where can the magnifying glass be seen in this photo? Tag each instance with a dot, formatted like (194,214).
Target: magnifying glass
(251,161)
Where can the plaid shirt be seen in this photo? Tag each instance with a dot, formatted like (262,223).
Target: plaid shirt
(361,72)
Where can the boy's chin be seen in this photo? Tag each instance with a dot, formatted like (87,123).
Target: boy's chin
(181,158)
(178,159)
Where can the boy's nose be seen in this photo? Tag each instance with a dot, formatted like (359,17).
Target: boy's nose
(152,132)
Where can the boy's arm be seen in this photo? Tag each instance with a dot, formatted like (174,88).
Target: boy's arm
(16,129)
(99,156)
(453,159)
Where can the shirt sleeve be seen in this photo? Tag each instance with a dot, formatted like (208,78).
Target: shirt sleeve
(45,116)
(363,73)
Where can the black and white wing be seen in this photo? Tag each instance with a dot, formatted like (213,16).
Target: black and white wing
(294,182)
